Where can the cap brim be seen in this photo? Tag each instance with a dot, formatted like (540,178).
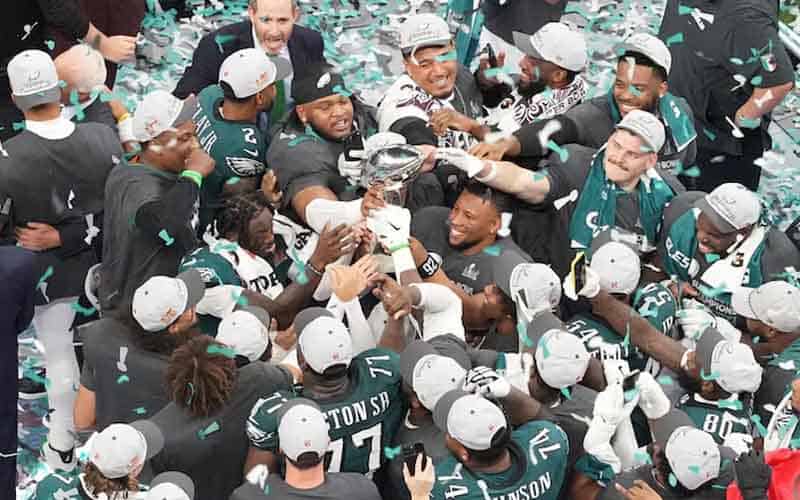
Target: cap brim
(721,224)
(152,436)
(179,479)
(262,315)
(503,267)
(442,408)
(195,286)
(663,427)
(741,304)
(638,133)
(522,41)
(308,315)
(541,324)
(187,111)
(291,404)
(415,351)
(283,68)
(705,347)
(26,102)
(438,42)
(623,47)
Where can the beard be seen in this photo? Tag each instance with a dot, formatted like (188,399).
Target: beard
(530,89)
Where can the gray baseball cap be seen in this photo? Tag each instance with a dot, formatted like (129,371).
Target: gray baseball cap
(692,454)
(423,30)
(561,358)
(470,419)
(171,485)
(647,126)
(429,374)
(731,207)
(302,428)
(731,364)
(776,304)
(323,339)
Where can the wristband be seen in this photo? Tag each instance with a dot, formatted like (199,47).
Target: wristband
(197,177)
(313,269)
(488,177)
(124,117)
(399,246)
(403,260)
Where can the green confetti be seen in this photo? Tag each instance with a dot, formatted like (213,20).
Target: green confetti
(47,273)
(302,276)
(713,292)
(712,257)
(762,431)
(523,334)
(50,44)
(32,375)
(665,380)
(228,352)
(756,80)
(633,90)
(736,61)
(563,154)
(794,444)
(647,310)
(222,40)
(642,457)
(62,84)
(631,394)
(731,405)
(789,424)
(493,250)
(711,376)
(18,126)
(391,453)
(674,39)
(233,180)
(545,350)
(191,393)
(749,122)
(140,410)
(123,378)
(225,247)
(711,135)
(694,469)
(450,56)
(84,311)
(211,429)
(299,139)
(342,91)
(626,342)
(164,235)
(240,299)
(577,9)
(693,171)
(565,393)
(673,481)
(683,10)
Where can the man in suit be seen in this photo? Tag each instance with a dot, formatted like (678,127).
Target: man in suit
(271,27)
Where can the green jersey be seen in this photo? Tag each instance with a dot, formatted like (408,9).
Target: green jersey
(718,418)
(539,461)
(70,486)
(653,302)
(362,422)
(238,148)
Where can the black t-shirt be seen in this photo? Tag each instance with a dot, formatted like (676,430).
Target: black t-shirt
(212,450)
(526,16)
(337,486)
(128,382)
(718,40)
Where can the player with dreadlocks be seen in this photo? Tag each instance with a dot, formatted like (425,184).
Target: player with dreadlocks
(211,400)
(239,263)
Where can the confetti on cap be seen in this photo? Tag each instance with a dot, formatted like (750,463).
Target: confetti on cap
(228,352)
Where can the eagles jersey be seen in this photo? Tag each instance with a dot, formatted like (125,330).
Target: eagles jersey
(715,420)
(238,147)
(653,302)
(225,263)
(539,463)
(69,486)
(361,422)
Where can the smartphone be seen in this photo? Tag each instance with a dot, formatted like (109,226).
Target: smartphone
(578,269)
(492,56)
(410,452)
(353,143)
(629,382)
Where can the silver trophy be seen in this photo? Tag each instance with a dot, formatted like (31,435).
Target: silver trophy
(393,167)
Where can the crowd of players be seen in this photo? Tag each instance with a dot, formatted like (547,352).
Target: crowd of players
(261,287)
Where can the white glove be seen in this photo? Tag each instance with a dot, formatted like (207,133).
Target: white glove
(615,370)
(607,414)
(738,442)
(460,159)
(727,330)
(486,382)
(610,405)
(258,476)
(350,169)
(652,400)
(590,288)
(125,130)
(518,370)
(694,320)
(391,225)
(219,301)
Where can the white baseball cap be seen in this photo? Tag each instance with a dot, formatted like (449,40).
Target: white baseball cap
(731,207)
(429,374)
(302,428)
(323,339)
(617,266)
(246,330)
(161,299)
(160,111)
(249,71)
(649,46)
(731,363)
(33,78)
(561,358)
(646,126)
(692,454)
(423,30)
(470,419)
(121,448)
(555,43)
(776,304)
(525,282)
(171,485)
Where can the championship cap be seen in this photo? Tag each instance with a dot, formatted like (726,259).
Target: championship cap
(730,364)
(171,485)
(561,358)
(423,30)
(617,266)
(316,83)
(323,339)
(470,419)
(120,449)
(160,111)
(692,454)
(646,126)
(161,299)
(429,374)
(302,428)
(249,71)
(246,330)
(648,46)
(731,207)
(556,43)
(776,304)
(33,78)
(525,282)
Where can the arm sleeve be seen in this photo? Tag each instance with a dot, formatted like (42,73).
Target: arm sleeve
(360,331)
(171,213)
(415,130)
(204,70)
(442,311)
(65,16)
(528,136)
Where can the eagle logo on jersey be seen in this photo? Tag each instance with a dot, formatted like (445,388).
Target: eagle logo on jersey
(245,167)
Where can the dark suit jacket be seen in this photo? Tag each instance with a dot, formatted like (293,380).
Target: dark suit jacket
(305,48)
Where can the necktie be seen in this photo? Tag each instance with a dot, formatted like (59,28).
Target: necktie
(279,104)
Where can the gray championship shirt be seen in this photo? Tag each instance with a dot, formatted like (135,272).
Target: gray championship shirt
(212,450)
(337,486)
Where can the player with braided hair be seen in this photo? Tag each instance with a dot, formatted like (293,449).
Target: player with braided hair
(238,265)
